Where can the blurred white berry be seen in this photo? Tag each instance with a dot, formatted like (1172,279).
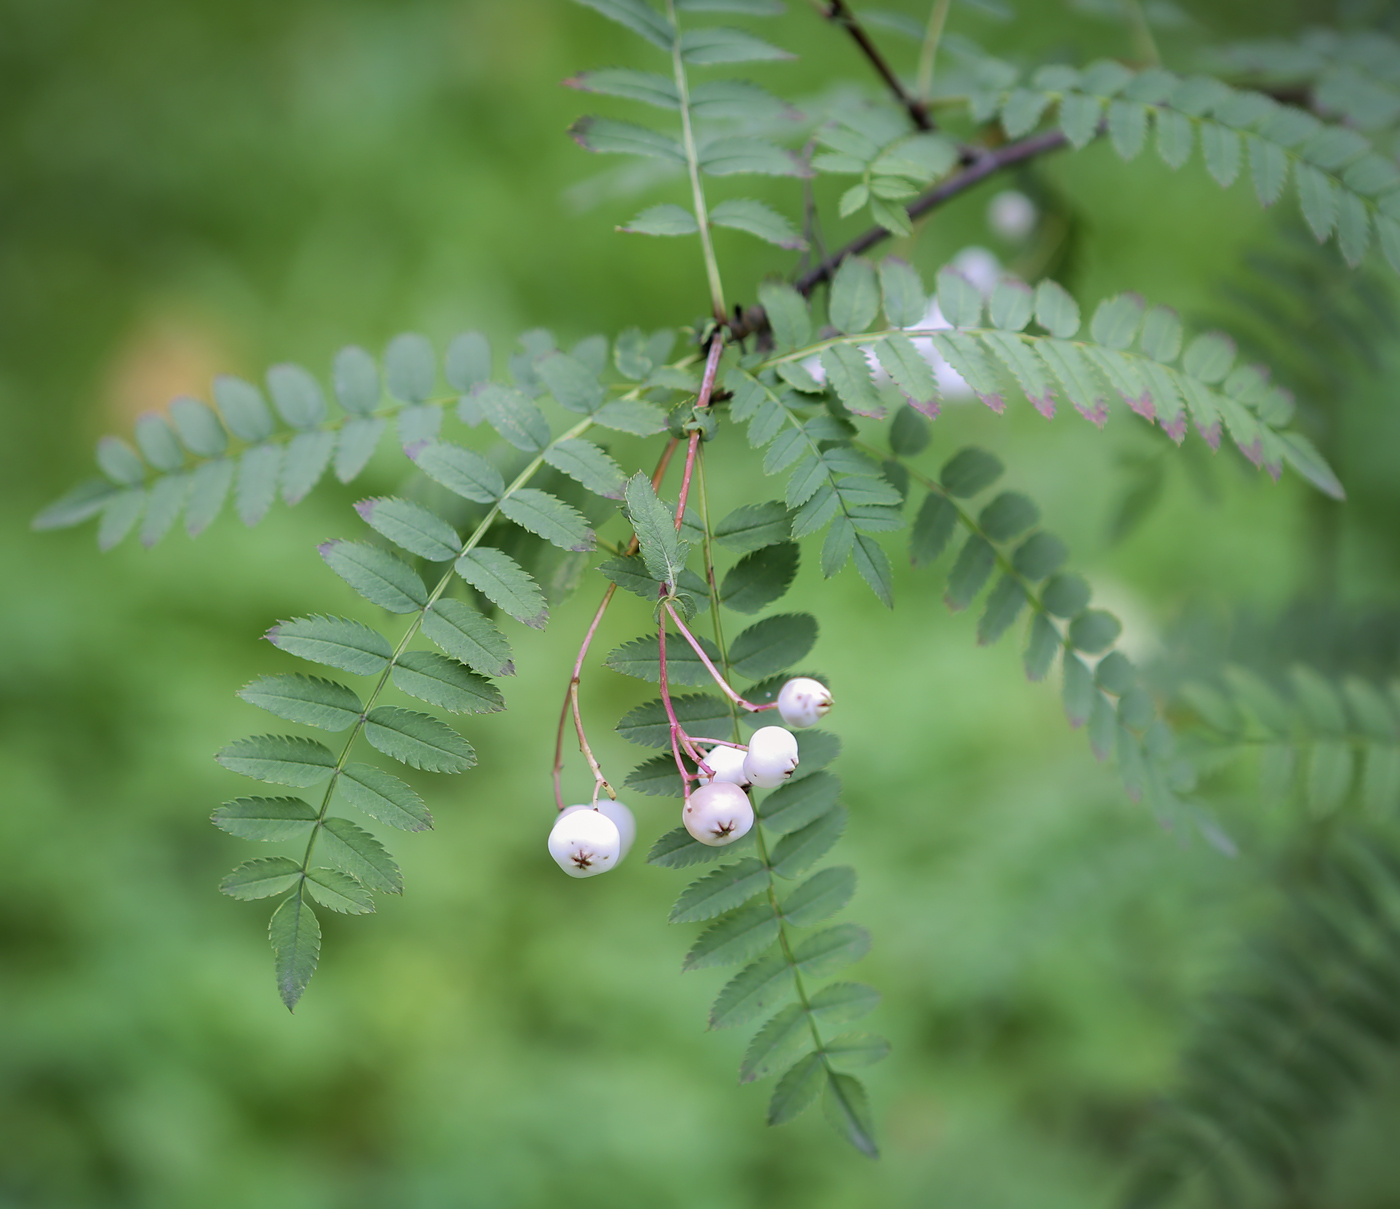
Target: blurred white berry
(980,267)
(622,818)
(584,842)
(718,814)
(772,756)
(728,763)
(1012,215)
(803,702)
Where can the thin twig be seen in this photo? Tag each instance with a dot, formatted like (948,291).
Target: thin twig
(987,164)
(707,387)
(837,13)
(937,18)
(710,667)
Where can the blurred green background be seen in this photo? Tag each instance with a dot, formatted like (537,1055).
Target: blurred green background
(192,186)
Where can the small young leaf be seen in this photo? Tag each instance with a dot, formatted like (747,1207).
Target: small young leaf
(505,583)
(307,699)
(379,576)
(279,759)
(663,550)
(269,819)
(296,946)
(468,637)
(334,641)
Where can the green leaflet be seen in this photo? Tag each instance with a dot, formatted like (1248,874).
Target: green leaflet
(665,219)
(844,1002)
(639,17)
(777,1044)
(641,658)
(411,527)
(821,896)
(719,891)
(799,851)
(209,488)
(383,797)
(831,949)
(460,470)
(304,462)
(663,550)
(847,1107)
(754,526)
(548,517)
(855,295)
(656,777)
(734,938)
(801,801)
(970,573)
(270,819)
(355,378)
(787,314)
(335,641)
(256,487)
(703,716)
(758,219)
(760,577)
(261,877)
(280,759)
(703,47)
(773,644)
(445,683)
(632,415)
(297,396)
(512,415)
(584,462)
(198,428)
(606,136)
(469,637)
(339,891)
(756,989)
(295,934)
(410,367)
(307,699)
(354,850)
(418,740)
(678,849)
(379,576)
(797,1090)
(243,408)
(505,583)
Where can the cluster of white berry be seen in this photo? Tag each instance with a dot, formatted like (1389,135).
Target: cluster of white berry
(592,839)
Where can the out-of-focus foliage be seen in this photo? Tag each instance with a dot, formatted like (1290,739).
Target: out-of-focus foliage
(195,187)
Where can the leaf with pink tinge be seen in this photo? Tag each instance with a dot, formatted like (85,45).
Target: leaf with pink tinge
(1176,429)
(964,353)
(1027,369)
(1211,435)
(1077,382)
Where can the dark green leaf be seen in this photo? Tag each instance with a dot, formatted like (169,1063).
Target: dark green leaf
(334,641)
(754,526)
(353,849)
(734,938)
(703,716)
(760,577)
(970,573)
(856,1049)
(874,567)
(902,292)
(800,850)
(820,896)
(639,17)
(445,683)
(777,1044)
(296,946)
(656,777)
(1094,631)
(418,740)
(756,989)
(505,583)
(1004,605)
(799,802)
(773,644)
(270,819)
(1065,595)
(339,891)
(933,526)
(958,299)
(1039,555)
(82,503)
(280,759)
(469,637)
(307,699)
(1079,690)
(645,86)
(641,658)
(847,1107)
(1008,516)
(909,433)
(970,471)
(720,890)
(383,797)
(787,314)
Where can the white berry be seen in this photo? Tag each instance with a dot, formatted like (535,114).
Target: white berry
(584,842)
(728,765)
(718,814)
(772,756)
(803,702)
(1012,215)
(621,817)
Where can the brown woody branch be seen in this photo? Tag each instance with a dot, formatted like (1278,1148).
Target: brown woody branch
(986,163)
(836,12)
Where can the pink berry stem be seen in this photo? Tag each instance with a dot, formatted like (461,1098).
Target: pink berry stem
(710,667)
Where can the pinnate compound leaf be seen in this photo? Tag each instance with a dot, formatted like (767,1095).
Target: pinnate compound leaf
(419,740)
(335,641)
(505,583)
(758,219)
(295,934)
(800,850)
(549,517)
(797,1090)
(820,896)
(461,471)
(663,549)
(777,1044)
(379,576)
(773,644)
(585,463)
(353,849)
(734,938)
(469,637)
(261,877)
(307,699)
(339,891)
(445,683)
(279,759)
(383,797)
(754,526)
(268,819)
(720,890)
(411,527)
(847,1108)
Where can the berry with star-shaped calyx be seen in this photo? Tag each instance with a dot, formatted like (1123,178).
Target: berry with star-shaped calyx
(718,814)
(621,817)
(803,702)
(772,756)
(728,765)
(584,842)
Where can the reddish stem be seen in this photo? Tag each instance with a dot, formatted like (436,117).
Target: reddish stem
(710,667)
(707,387)
(670,709)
